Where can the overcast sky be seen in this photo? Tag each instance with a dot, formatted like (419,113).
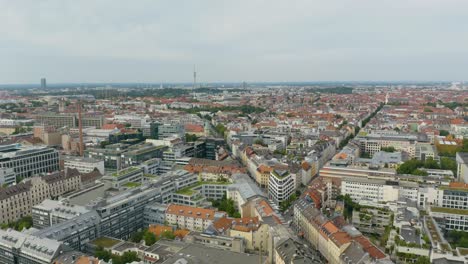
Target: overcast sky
(237,40)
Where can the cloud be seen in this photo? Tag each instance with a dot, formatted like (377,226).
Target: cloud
(255,40)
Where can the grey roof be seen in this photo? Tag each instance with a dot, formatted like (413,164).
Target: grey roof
(289,252)
(462,157)
(409,235)
(355,254)
(195,253)
(245,186)
(35,247)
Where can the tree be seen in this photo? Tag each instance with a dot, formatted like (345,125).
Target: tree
(102,254)
(419,172)
(423,260)
(168,235)
(190,137)
(448,164)
(150,238)
(388,149)
(259,142)
(430,163)
(128,257)
(138,236)
(444,133)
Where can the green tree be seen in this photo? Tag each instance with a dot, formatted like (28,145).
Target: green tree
(138,236)
(168,235)
(448,164)
(190,137)
(129,257)
(150,238)
(419,172)
(430,163)
(444,133)
(102,254)
(388,149)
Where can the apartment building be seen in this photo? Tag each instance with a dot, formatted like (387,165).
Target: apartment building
(17,201)
(28,161)
(281,185)
(332,240)
(191,218)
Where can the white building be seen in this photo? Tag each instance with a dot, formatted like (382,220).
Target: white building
(84,165)
(281,185)
(462,167)
(378,190)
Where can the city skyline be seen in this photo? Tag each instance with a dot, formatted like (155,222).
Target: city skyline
(252,41)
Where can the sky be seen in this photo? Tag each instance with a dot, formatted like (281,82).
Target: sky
(232,41)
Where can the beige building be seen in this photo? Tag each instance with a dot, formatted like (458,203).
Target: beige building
(251,229)
(191,218)
(17,201)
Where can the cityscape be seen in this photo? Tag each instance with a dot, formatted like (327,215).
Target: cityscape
(214,168)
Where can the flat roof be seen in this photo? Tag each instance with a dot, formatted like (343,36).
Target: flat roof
(194,253)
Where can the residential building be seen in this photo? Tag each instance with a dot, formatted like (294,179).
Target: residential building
(17,201)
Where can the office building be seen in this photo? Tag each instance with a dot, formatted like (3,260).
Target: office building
(378,190)
(69,120)
(462,167)
(43,83)
(52,212)
(75,232)
(19,248)
(27,161)
(83,165)
(7,175)
(170,130)
(281,185)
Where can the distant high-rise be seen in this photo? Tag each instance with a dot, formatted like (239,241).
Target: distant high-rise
(194,78)
(43,83)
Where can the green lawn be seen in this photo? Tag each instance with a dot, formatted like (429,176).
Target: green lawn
(132,184)
(105,242)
